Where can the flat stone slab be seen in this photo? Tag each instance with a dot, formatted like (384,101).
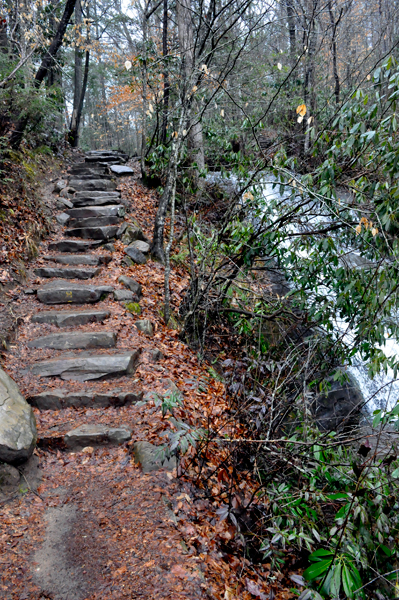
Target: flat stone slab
(92,185)
(95,221)
(93,233)
(71,293)
(95,201)
(73,245)
(74,340)
(57,399)
(135,255)
(71,318)
(88,367)
(67,272)
(98,194)
(149,457)
(131,284)
(96,435)
(141,246)
(124,295)
(113,210)
(79,259)
(121,170)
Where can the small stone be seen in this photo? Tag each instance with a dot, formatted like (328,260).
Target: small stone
(62,218)
(132,232)
(67,192)
(127,262)
(9,481)
(145,326)
(141,246)
(136,256)
(156,355)
(110,247)
(148,457)
(121,230)
(63,202)
(124,295)
(133,307)
(130,283)
(30,291)
(60,185)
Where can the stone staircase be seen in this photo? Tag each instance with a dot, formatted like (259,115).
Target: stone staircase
(93,217)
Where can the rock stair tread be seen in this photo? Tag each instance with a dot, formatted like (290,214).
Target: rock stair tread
(95,221)
(74,245)
(70,318)
(67,272)
(93,233)
(79,259)
(75,340)
(65,292)
(58,399)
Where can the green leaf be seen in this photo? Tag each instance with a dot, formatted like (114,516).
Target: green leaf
(320,554)
(347,582)
(314,571)
(336,581)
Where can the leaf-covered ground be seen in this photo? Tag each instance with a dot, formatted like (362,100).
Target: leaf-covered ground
(128,534)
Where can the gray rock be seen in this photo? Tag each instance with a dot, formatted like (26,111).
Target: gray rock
(121,170)
(67,273)
(131,233)
(339,408)
(93,170)
(79,259)
(124,295)
(93,233)
(77,339)
(95,201)
(145,326)
(30,291)
(63,202)
(63,292)
(93,185)
(87,367)
(135,255)
(18,433)
(96,435)
(109,247)
(57,399)
(141,246)
(113,210)
(98,194)
(95,222)
(67,192)
(62,218)
(121,230)
(156,355)
(149,457)
(73,245)
(71,318)
(9,481)
(60,185)
(127,262)
(131,284)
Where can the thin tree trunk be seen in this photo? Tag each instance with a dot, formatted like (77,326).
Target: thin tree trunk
(291,29)
(165,73)
(77,114)
(144,94)
(48,60)
(77,76)
(167,253)
(334,25)
(309,83)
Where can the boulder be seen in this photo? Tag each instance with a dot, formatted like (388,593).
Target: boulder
(86,367)
(67,273)
(93,233)
(145,326)
(63,292)
(77,339)
(135,255)
(18,433)
(339,407)
(56,399)
(131,284)
(71,318)
(73,245)
(96,435)
(121,170)
(141,246)
(152,458)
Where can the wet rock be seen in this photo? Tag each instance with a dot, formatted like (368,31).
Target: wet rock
(121,170)
(77,339)
(79,259)
(93,233)
(87,367)
(145,326)
(73,245)
(71,318)
(18,433)
(97,221)
(131,284)
(135,255)
(151,458)
(63,292)
(141,246)
(67,273)
(62,218)
(95,185)
(113,210)
(96,435)
(57,399)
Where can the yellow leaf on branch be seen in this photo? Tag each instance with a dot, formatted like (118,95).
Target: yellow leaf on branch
(301,110)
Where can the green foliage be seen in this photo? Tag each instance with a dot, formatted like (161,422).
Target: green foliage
(133,307)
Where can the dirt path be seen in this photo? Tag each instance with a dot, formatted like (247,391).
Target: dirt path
(98,527)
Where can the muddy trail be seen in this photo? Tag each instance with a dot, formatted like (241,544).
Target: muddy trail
(101,517)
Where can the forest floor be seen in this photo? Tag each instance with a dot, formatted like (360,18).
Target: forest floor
(98,528)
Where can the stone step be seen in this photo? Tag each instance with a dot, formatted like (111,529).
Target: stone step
(93,201)
(113,210)
(57,399)
(84,194)
(79,259)
(93,233)
(71,318)
(104,221)
(75,340)
(73,245)
(121,170)
(64,292)
(91,176)
(92,185)
(105,159)
(96,435)
(67,272)
(87,367)
(85,169)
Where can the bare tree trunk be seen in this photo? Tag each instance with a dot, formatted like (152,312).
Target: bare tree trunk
(309,83)
(144,93)
(334,25)
(165,72)
(73,138)
(167,253)
(81,87)
(291,29)
(48,60)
